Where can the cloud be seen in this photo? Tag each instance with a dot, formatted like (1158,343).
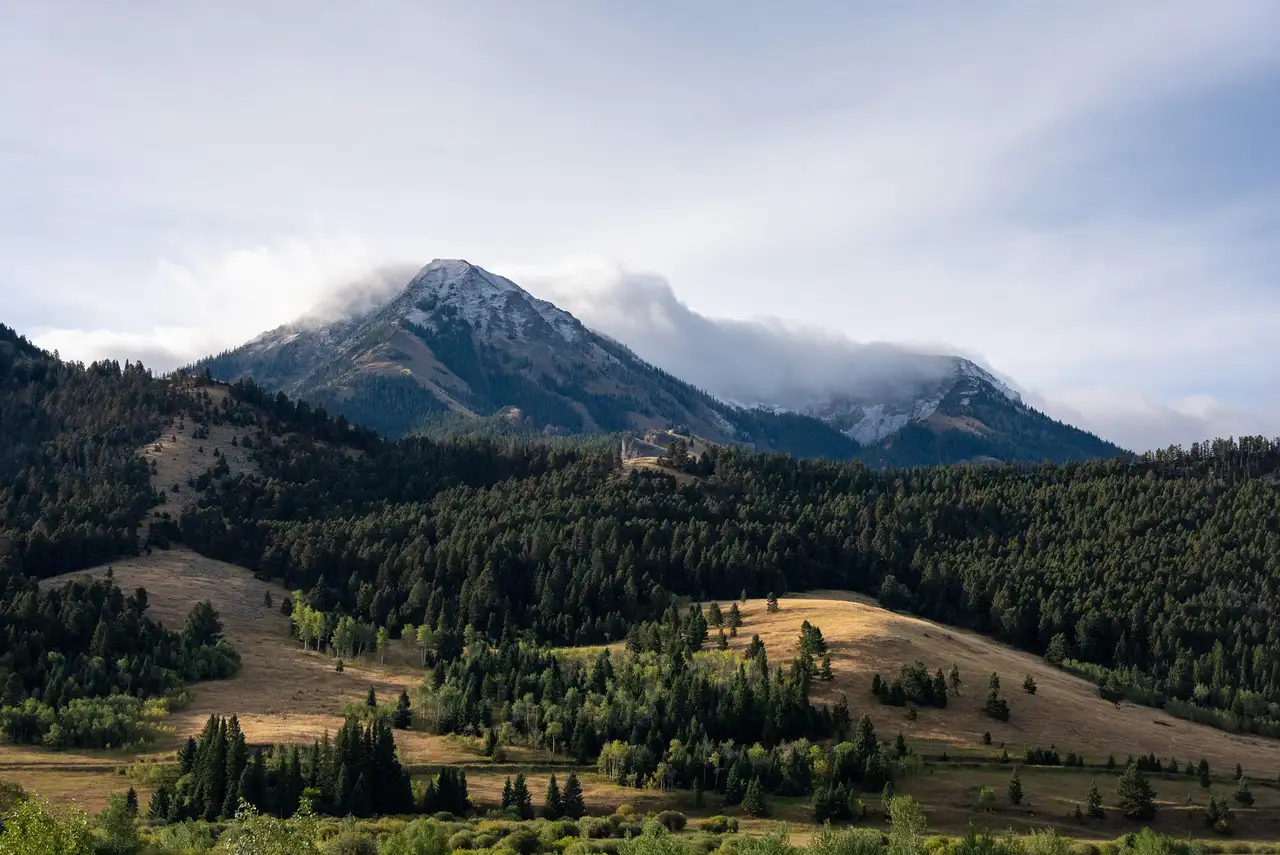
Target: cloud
(1133,419)
(199,301)
(762,360)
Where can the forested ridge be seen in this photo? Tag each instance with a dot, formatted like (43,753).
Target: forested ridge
(1161,569)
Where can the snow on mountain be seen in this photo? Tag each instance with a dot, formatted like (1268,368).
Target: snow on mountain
(483,299)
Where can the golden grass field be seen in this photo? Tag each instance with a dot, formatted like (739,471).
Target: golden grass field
(1065,711)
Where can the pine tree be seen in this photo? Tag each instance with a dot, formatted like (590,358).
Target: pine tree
(714,616)
(771,604)
(371,699)
(900,745)
(1203,774)
(508,795)
(1015,789)
(825,672)
(1243,794)
(266,600)
(953,679)
(1093,802)
(159,806)
(131,801)
(403,716)
(722,642)
(1137,799)
(735,617)
(553,805)
(1029,685)
(521,799)
(753,800)
(571,795)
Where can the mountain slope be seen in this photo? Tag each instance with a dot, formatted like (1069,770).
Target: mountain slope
(459,348)
(955,412)
(460,340)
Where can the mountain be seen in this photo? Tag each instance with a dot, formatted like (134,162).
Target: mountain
(950,410)
(459,347)
(459,343)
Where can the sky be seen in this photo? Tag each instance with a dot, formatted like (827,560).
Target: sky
(1083,197)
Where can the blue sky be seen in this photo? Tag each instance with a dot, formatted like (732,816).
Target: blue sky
(1083,196)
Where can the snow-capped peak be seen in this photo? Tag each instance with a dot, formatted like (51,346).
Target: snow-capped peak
(481,298)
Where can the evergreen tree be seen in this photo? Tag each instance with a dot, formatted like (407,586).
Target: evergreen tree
(1015,789)
(1243,794)
(714,616)
(371,699)
(735,617)
(1029,685)
(1135,796)
(159,806)
(753,803)
(521,799)
(553,805)
(1093,802)
(824,673)
(1202,773)
(771,604)
(953,679)
(508,795)
(131,801)
(266,600)
(571,796)
(403,717)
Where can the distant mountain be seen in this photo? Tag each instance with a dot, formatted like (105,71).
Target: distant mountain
(952,410)
(460,342)
(460,345)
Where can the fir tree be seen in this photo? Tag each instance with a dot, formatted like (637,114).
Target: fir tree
(1015,789)
(753,799)
(771,604)
(371,699)
(403,716)
(508,795)
(266,600)
(131,801)
(1029,685)
(571,796)
(159,806)
(1133,792)
(1243,794)
(953,679)
(1093,802)
(521,799)
(553,804)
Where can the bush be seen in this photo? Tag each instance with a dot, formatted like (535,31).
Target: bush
(672,820)
(721,825)
(462,840)
(597,827)
(351,842)
(523,840)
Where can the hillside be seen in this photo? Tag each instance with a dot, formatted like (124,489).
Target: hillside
(481,559)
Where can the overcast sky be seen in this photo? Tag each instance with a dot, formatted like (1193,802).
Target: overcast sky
(1085,196)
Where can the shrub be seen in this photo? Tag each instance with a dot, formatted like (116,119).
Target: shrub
(672,820)
(721,825)
(463,840)
(523,840)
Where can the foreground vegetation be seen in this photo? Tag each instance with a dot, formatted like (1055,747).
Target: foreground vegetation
(32,827)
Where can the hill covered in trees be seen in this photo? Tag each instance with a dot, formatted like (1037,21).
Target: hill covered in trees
(1157,573)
